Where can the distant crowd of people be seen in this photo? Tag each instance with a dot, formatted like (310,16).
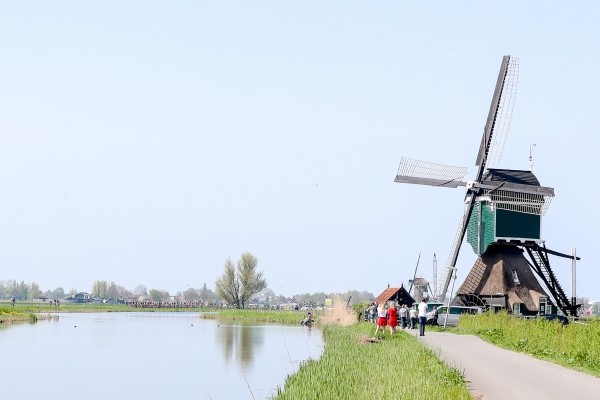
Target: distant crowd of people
(13,301)
(164,304)
(387,315)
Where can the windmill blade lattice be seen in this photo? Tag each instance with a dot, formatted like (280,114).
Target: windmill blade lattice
(428,173)
(504,112)
(442,289)
(499,115)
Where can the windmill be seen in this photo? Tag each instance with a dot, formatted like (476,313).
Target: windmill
(419,287)
(501,219)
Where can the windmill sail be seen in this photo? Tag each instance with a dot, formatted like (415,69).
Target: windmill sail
(499,116)
(428,173)
(490,149)
(442,289)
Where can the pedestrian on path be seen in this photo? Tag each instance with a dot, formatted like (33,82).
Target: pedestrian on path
(373,313)
(381,319)
(392,318)
(403,316)
(413,317)
(422,317)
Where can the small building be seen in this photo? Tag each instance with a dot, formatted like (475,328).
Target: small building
(80,297)
(399,295)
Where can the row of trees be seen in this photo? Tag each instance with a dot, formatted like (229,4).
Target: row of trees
(238,284)
(104,289)
(101,289)
(22,291)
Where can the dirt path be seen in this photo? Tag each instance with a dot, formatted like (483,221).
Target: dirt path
(499,374)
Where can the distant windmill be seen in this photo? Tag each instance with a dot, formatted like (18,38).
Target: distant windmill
(502,218)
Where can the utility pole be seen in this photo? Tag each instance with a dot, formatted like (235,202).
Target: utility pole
(574,276)
(435,293)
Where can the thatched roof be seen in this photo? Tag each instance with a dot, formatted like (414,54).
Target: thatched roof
(495,272)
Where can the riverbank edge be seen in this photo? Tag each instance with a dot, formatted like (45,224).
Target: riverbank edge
(9,318)
(353,366)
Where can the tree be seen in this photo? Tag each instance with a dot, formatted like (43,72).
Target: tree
(34,292)
(140,291)
(236,286)
(99,289)
(158,295)
(206,294)
(122,292)
(57,294)
(267,294)
(228,285)
(19,291)
(191,294)
(113,290)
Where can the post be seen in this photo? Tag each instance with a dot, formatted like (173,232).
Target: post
(574,276)
(450,299)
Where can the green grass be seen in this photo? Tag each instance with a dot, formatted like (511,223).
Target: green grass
(398,367)
(576,346)
(10,314)
(274,316)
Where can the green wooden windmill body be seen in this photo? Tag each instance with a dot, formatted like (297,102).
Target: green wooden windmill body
(489,225)
(502,214)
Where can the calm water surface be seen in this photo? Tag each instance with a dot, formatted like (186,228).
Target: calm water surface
(150,356)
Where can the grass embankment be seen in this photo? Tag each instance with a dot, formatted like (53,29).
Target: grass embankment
(398,367)
(576,346)
(272,316)
(10,314)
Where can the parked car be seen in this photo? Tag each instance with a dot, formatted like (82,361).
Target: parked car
(453,315)
(551,317)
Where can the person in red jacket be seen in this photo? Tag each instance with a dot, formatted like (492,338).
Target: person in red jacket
(392,318)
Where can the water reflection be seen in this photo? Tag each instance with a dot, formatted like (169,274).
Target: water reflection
(240,342)
(151,355)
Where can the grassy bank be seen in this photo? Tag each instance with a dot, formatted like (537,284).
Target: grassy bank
(398,367)
(575,346)
(273,316)
(10,314)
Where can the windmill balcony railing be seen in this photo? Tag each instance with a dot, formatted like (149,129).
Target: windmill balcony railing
(521,202)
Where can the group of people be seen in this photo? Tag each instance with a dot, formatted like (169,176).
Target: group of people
(384,315)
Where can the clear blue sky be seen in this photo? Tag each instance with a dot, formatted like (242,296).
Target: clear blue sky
(145,142)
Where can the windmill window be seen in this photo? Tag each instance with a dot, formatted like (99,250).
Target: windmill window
(515,277)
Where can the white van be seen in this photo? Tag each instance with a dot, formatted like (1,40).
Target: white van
(453,315)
